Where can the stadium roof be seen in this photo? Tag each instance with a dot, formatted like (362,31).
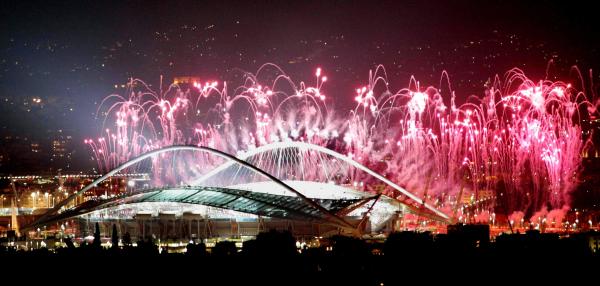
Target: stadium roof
(263,204)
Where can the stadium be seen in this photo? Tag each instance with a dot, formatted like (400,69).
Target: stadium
(197,193)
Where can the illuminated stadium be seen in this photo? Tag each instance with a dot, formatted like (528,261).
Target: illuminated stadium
(276,155)
(199,192)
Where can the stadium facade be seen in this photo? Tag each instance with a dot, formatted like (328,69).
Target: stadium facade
(241,196)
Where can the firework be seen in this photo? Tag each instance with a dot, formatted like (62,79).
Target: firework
(519,145)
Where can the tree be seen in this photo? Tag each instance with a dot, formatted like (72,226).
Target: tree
(97,242)
(69,243)
(346,246)
(275,243)
(115,237)
(127,239)
(224,248)
(196,249)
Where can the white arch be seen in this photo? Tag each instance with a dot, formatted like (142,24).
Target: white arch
(230,159)
(308,146)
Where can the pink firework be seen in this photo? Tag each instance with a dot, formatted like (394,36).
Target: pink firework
(519,145)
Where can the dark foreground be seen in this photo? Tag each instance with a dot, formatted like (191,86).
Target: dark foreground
(273,258)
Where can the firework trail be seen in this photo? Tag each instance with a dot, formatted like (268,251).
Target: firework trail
(520,144)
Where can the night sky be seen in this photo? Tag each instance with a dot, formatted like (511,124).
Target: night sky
(71,54)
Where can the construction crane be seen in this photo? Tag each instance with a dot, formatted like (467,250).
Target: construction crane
(14,210)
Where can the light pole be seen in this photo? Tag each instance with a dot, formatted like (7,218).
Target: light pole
(130,185)
(33,199)
(62,232)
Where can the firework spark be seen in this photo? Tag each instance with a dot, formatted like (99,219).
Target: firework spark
(519,145)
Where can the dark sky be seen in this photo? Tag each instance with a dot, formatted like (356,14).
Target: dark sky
(71,54)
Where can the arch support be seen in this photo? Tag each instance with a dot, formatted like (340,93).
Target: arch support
(321,149)
(230,159)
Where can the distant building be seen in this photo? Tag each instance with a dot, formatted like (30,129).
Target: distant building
(35,147)
(133,84)
(591,129)
(186,80)
(61,149)
(24,154)
(594,242)
(19,153)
